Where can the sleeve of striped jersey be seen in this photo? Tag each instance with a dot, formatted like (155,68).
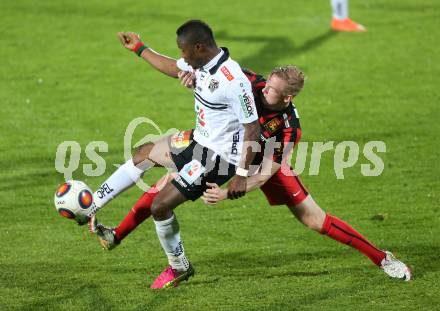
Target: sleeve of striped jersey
(182,65)
(240,97)
(288,138)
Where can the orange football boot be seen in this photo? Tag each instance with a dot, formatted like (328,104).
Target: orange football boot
(346,25)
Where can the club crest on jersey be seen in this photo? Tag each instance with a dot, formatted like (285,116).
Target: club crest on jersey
(213,85)
(273,125)
(227,74)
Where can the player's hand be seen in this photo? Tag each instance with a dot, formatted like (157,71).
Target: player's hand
(237,187)
(214,194)
(129,39)
(187,78)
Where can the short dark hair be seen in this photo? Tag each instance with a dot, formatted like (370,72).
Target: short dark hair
(196,31)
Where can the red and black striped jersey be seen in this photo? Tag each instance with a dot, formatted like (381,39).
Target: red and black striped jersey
(283,125)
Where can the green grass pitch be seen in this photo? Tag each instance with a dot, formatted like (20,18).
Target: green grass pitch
(64,76)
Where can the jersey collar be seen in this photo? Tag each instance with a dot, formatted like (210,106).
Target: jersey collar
(216,62)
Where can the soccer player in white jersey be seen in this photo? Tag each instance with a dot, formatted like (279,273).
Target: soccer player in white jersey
(340,19)
(226,120)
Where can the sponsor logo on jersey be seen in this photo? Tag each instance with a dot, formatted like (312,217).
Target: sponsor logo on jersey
(246,105)
(202,131)
(192,171)
(213,85)
(227,74)
(273,125)
(200,124)
(235,141)
(200,116)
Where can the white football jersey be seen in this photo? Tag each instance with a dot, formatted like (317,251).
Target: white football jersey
(223,102)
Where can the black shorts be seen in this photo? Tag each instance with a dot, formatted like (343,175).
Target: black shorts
(197,165)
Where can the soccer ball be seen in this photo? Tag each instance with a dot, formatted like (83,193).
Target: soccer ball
(73,200)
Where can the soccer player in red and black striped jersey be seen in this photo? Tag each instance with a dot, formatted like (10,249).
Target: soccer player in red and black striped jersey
(281,185)
(280,132)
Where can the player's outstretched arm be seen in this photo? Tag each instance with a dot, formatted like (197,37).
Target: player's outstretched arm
(215,194)
(268,168)
(237,185)
(163,63)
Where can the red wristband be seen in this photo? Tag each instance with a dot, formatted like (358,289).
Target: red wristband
(139,47)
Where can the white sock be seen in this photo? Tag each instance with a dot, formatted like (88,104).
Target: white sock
(340,9)
(124,177)
(169,236)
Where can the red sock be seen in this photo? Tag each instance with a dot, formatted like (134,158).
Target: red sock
(139,212)
(341,231)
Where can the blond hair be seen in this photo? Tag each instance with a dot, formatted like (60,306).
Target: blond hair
(293,76)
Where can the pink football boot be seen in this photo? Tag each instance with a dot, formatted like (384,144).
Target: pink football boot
(171,278)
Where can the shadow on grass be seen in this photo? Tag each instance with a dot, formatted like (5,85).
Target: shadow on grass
(90,296)
(273,260)
(243,264)
(274,48)
(422,259)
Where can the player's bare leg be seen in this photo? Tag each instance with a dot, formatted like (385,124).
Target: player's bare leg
(145,157)
(168,232)
(167,200)
(311,215)
(156,154)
